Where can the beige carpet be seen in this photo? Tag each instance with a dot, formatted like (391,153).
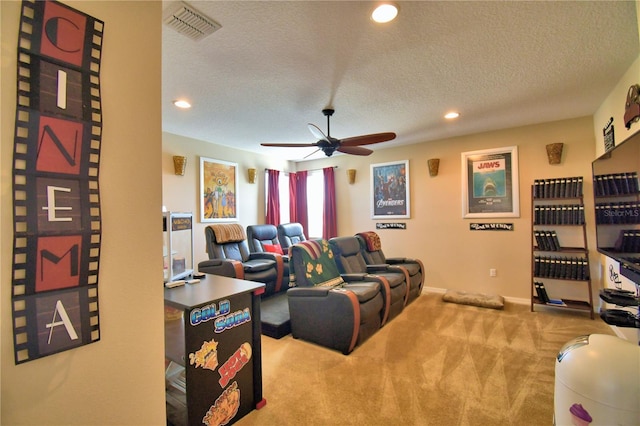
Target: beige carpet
(436,364)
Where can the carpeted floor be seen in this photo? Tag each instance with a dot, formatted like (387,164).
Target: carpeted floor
(436,364)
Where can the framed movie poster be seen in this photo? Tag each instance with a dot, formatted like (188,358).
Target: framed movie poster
(218,190)
(490,183)
(390,190)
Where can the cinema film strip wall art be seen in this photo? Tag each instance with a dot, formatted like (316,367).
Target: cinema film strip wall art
(56,200)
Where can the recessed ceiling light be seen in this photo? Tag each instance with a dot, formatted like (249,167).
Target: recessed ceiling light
(180,103)
(451,115)
(384,13)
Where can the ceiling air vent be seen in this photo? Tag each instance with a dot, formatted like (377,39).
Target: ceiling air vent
(188,21)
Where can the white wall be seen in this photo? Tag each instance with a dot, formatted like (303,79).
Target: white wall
(120,379)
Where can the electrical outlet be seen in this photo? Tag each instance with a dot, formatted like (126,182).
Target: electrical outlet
(493,272)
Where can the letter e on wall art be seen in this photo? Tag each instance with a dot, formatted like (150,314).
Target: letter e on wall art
(56,199)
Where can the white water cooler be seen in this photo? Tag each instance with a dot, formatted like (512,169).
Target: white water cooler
(597,382)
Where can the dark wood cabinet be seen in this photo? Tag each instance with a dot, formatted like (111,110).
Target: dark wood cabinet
(213,351)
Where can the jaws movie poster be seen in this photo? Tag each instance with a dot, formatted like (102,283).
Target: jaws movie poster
(490,183)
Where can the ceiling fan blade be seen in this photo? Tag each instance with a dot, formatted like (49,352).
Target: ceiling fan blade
(294,145)
(317,133)
(354,150)
(368,139)
(307,156)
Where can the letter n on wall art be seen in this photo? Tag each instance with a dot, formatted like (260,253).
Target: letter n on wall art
(56,199)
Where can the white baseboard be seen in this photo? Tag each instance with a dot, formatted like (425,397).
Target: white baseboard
(433,290)
(518,300)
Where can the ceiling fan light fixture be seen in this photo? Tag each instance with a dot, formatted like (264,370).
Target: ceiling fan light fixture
(181,103)
(452,115)
(385,12)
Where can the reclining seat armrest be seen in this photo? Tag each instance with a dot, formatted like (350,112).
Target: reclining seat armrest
(392,260)
(407,279)
(225,267)
(354,277)
(422,272)
(385,291)
(381,267)
(325,315)
(404,261)
(279,259)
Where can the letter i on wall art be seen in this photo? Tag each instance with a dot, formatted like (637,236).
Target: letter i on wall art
(56,199)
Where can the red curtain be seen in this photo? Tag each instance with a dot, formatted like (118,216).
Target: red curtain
(292,197)
(298,199)
(273,203)
(329,219)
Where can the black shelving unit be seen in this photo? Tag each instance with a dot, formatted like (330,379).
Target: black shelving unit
(555,204)
(617,203)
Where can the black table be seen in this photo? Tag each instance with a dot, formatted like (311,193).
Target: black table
(213,350)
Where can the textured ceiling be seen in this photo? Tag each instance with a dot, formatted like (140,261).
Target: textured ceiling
(273,67)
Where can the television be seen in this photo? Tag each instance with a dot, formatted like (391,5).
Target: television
(617,205)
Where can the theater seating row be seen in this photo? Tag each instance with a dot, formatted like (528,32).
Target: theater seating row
(256,255)
(338,299)
(334,293)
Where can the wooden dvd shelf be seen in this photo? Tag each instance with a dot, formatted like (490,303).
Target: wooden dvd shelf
(557,215)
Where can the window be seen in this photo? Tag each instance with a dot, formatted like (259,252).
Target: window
(315,203)
(283,185)
(315,200)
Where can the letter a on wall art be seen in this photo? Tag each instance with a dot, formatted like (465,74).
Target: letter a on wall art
(56,199)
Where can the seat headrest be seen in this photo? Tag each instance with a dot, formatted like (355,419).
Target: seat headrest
(317,262)
(228,233)
(293,228)
(371,239)
(346,246)
(263,232)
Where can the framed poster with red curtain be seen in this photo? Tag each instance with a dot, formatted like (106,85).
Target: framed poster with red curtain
(57,224)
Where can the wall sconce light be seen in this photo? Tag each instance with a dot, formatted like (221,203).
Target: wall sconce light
(554,152)
(351,176)
(434,164)
(251,175)
(179,164)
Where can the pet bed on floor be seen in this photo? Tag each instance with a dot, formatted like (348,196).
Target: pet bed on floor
(492,301)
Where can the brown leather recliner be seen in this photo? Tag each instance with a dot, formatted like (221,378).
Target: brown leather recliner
(371,249)
(325,308)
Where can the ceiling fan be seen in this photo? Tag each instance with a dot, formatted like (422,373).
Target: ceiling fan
(329,145)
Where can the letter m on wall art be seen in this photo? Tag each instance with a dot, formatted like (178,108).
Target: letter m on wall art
(56,199)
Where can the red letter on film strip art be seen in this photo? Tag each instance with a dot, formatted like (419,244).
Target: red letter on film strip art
(56,199)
